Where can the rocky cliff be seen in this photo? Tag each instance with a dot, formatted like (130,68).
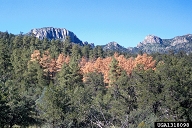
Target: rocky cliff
(54,33)
(152,44)
(151,39)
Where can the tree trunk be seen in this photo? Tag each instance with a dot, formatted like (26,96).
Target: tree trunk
(53,124)
(11,125)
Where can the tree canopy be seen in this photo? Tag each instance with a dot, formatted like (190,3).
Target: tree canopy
(53,83)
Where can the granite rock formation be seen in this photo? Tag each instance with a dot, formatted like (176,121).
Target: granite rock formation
(54,33)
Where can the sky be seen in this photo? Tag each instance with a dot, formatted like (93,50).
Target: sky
(126,22)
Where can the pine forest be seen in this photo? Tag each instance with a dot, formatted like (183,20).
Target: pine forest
(60,84)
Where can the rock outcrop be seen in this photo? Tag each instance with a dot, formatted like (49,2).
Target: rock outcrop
(152,44)
(151,39)
(114,46)
(54,33)
(181,39)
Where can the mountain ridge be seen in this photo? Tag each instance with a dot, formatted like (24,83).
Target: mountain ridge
(150,44)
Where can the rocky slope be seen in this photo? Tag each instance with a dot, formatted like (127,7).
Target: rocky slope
(153,44)
(54,33)
(114,46)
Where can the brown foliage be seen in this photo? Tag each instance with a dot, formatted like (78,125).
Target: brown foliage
(61,60)
(36,56)
(146,61)
(50,66)
(101,65)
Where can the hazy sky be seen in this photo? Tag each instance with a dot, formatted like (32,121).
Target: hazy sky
(100,21)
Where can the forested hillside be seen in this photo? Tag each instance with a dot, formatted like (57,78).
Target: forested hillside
(59,84)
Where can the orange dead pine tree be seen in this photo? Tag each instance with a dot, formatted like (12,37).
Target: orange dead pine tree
(102,65)
(83,62)
(126,64)
(86,67)
(146,61)
(48,64)
(60,61)
(36,55)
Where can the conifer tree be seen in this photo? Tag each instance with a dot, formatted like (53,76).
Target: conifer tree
(76,51)
(51,105)
(45,44)
(5,65)
(85,51)
(54,49)
(114,72)
(67,46)
(22,107)
(4,108)
(70,81)
(35,79)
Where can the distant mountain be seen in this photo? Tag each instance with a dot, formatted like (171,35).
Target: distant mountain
(150,44)
(153,44)
(54,33)
(114,46)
